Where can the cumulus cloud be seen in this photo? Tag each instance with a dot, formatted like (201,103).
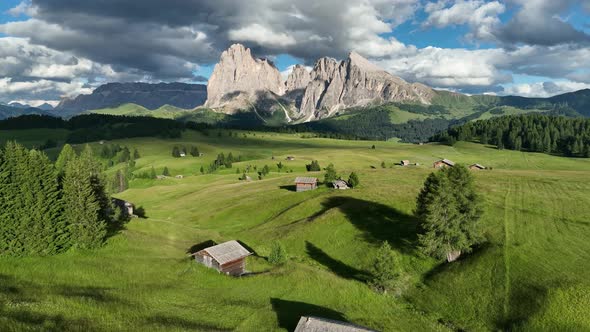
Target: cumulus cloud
(538,23)
(72,42)
(544,89)
(481,16)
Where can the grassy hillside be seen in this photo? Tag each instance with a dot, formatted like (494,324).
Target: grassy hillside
(532,268)
(166,111)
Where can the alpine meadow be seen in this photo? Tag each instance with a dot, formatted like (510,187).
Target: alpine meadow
(296,166)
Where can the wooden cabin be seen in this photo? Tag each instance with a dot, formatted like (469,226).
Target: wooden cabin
(303,183)
(179,176)
(476,167)
(340,184)
(290,158)
(182,154)
(228,258)
(443,163)
(316,324)
(405,163)
(126,207)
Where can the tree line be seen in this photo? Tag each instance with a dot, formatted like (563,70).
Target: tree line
(47,208)
(529,132)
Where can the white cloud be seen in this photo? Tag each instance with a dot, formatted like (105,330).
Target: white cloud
(481,16)
(262,36)
(285,73)
(544,89)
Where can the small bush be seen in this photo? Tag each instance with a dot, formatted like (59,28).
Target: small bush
(277,255)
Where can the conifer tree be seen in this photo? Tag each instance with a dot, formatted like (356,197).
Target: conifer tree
(66,155)
(449,210)
(330,175)
(82,211)
(385,269)
(353,180)
(136,154)
(166,172)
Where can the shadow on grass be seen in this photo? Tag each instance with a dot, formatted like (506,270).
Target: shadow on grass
(289,187)
(178,323)
(140,212)
(377,221)
(200,246)
(20,294)
(96,294)
(336,266)
(525,301)
(465,259)
(289,312)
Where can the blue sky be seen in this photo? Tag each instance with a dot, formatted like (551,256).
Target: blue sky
(55,48)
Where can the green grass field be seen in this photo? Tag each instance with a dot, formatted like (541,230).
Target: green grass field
(531,274)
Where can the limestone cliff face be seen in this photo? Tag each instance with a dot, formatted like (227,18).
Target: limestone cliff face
(354,82)
(239,78)
(298,79)
(239,81)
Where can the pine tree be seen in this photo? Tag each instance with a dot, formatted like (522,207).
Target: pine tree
(353,180)
(175,152)
(330,175)
(166,172)
(449,210)
(278,254)
(83,209)
(136,154)
(202,170)
(66,155)
(153,174)
(385,268)
(280,166)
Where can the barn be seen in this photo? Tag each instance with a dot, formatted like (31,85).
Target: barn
(340,184)
(228,258)
(316,324)
(443,163)
(476,167)
(405,163)
(303,183)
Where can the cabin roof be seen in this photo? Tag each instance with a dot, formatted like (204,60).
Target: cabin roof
(478,166)
(316,324)
(227,252)
(339,183)
(448,162)
(305,179)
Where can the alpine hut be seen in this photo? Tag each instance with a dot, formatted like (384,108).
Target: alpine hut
(340,184)
(228,258)
(443,163)
(476,167)
(316,324)
(303,183)
(124,206)
(405,163)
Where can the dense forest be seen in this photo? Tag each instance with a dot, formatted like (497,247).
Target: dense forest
(529,132)
(94,127)
(47,208)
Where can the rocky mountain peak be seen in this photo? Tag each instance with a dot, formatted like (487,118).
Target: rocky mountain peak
(239,77)
(298,78)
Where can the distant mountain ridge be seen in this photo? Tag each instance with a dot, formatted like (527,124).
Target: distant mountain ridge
(150,96)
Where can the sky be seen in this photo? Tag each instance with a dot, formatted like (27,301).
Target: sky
(53,49)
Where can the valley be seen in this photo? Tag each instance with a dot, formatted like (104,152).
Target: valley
(529,274)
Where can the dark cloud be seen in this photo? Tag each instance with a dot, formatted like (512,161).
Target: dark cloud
(538,23)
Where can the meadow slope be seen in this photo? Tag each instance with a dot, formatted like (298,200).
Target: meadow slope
(532,268)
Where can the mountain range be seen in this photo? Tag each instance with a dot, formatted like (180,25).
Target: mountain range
(150,96)
(241,83)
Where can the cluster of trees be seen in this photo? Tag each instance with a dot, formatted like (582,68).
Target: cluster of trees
(47,208)
(313,167)
(530,132)
(177,151)
(449,209)
(222,161)
(331,175)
